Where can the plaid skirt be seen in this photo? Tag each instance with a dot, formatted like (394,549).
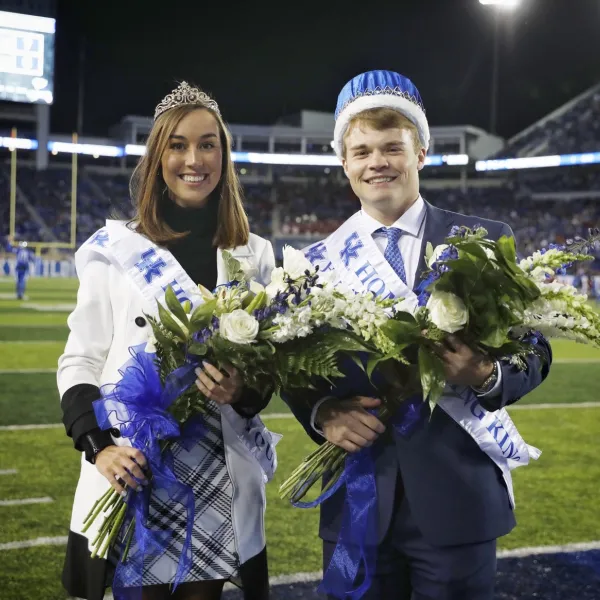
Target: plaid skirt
(204,469)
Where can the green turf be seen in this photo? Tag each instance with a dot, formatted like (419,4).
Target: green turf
(556,496)
(39,580)
(33,397)
(29,399)
(22,333)
(32,317)
(30,355)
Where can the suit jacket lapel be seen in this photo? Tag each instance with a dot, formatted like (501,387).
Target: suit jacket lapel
(437,227)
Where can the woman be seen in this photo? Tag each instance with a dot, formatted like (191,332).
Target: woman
(188,208)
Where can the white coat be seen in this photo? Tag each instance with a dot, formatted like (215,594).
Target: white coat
(102,329)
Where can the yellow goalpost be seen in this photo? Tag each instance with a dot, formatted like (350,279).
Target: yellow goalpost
(41,245)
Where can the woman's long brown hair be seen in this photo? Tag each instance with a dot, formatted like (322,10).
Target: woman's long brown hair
(148,188)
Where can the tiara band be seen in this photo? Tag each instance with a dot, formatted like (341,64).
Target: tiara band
(185,94)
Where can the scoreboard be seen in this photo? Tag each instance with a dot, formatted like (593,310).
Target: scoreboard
(26,58)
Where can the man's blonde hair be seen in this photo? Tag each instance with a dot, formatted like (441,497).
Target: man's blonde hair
(380,119)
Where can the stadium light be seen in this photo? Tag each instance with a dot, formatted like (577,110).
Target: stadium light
(507,4)
(260,158)
(498,5)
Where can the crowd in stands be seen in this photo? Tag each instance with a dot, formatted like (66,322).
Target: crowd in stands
(574,130)
(314,207)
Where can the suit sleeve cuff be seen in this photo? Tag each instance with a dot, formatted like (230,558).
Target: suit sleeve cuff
(251,402)
(313,415)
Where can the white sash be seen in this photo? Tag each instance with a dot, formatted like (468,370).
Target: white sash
(153,269)
(360,266)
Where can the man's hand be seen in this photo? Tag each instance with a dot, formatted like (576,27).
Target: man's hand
(347,424)
(464,366)
(223,389)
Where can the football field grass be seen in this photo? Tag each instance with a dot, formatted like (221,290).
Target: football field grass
(556,496)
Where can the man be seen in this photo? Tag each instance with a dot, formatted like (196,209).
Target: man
(22,268)
(443,495)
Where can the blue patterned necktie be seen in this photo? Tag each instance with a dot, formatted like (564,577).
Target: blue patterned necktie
(392,251)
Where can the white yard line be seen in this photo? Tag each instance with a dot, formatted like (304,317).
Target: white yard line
(28,427)
(555,405)
(29,342)
(291,416)
(41,541)
(25,371)
(23,501)
(536,550)
(8,471)
(519,552)
(571,361)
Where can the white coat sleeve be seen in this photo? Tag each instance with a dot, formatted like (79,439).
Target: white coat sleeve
(81,364)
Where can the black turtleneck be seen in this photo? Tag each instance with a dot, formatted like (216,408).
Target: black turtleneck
(196,252)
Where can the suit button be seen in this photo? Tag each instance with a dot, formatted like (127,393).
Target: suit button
(115,432)
(140,321)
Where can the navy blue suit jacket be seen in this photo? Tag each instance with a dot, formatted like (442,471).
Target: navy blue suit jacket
(455,491)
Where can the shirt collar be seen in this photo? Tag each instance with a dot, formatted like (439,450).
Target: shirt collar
(410,222)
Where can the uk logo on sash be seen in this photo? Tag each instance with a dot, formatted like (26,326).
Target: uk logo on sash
(100,238)
(316,252)
(351,247)
(150,266)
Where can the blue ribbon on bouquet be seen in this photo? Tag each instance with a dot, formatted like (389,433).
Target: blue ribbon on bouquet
(357,540)
(138,405)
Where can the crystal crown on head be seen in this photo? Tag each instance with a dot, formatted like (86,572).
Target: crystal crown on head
(184,93)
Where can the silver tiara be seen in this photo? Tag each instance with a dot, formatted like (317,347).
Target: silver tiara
(185,94)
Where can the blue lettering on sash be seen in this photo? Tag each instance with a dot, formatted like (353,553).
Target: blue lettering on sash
(366,272)
(351,248)
(379,284)
(511,452)
(260,441)
(148,267)
(496,429)
(179,292)
(476,410)
(100,238)
(316,252)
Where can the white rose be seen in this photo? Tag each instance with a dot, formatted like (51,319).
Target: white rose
(447,311)
(238,327)
(248,268)
(295,263)
(277,283)
(437,252)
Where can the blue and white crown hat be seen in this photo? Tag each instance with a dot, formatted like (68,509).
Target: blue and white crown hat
(377,89)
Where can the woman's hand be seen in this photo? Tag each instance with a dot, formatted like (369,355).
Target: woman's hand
(120,465)
(223,389)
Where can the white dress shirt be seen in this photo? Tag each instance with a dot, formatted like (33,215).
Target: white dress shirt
(412,224)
